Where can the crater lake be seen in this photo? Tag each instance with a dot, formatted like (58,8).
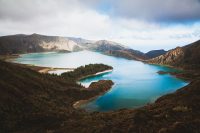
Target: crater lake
(135,83)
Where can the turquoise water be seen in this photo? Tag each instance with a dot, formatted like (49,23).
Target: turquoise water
(136,83)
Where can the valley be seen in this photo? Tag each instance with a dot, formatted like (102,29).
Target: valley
(99,66)
(45,102)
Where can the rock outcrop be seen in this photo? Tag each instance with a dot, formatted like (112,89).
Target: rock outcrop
(172,57)
(17,44)
(187,57)
(60,44)
(101,85)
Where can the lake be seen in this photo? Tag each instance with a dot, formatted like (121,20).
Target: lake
(136,83)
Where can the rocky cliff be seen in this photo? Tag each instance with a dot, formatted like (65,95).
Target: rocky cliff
(172,57)
(187,57)
(16,44)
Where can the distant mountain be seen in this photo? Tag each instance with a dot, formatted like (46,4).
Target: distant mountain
(187,57)
(116,49)
(104,45)
(35,43)
(80,40)
(128,54)
(17,44)
(155,53)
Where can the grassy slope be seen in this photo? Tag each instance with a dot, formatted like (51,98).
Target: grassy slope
(33,102)
(191,59)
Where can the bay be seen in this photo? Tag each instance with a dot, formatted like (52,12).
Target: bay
(135,83)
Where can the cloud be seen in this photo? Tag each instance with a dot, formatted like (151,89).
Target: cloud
(154,10)
(80,18)
(151,10)
(24,10)
(60,17)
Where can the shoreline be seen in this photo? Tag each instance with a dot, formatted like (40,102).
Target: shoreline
(106,71)
(42,69)
(79,103)
(183,74)
(98,73)
(9,58)
(52,69)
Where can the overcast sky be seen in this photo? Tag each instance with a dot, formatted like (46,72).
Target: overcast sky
(139,24)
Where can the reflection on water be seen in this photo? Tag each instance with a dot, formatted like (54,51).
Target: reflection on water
(136,83)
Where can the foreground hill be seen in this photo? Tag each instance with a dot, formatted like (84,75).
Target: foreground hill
(33,102)
(187,57)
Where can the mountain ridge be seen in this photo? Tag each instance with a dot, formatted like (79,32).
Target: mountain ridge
(155,53)
(20,43)
(186,57)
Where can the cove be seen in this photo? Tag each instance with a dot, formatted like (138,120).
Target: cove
(136,83)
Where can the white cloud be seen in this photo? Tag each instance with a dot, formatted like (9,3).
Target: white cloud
(74,18)
(158,10)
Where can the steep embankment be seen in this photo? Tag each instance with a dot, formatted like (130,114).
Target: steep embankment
(187,57)
(33,102)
